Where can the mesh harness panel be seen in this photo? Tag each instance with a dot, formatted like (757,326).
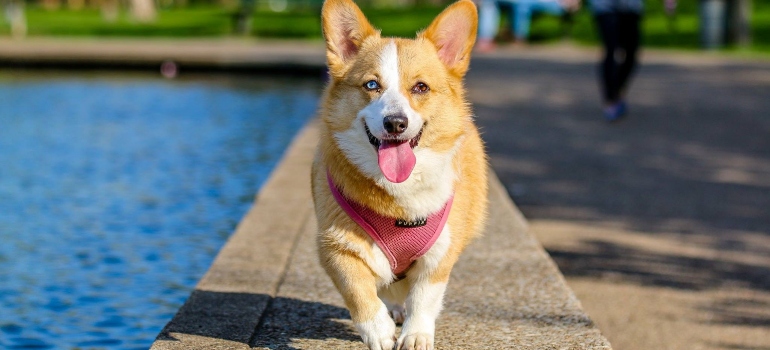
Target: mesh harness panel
(402,245)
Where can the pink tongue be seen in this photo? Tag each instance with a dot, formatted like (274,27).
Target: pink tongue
(396,160)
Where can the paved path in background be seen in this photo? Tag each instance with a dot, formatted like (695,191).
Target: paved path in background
(190,54)
(661,223)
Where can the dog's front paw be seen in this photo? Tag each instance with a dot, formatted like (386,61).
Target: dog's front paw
(380,344)
(379,333)
(415,341)
(417,334)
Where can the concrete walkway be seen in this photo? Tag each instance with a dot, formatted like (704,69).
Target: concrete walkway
(189,54)
(266,289)
(660,223)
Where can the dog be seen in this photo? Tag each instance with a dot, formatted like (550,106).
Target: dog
(400,175)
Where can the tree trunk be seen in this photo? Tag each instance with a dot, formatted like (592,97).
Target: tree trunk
(76,5)
(110,10)
(17,18)
(243,17)
(739,27)
(143,10)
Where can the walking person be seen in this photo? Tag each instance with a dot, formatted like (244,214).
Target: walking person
(618,23)
(520,17)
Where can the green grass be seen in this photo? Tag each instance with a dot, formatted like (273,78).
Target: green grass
(188,22)
(208,21)
(203,20)
(305,24)
(657,30)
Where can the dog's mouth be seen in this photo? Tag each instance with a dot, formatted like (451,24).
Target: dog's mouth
(374,141)
(395,156)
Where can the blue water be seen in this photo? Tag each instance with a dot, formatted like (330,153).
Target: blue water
(116,193)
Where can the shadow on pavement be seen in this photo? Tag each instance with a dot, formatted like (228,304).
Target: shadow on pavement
(289,319)
(693,149)
(734,311)
(227,316)
(604,259)
(690,167)
(234,317)
(728,346)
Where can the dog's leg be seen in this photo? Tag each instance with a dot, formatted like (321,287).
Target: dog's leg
(423,306)
(394,296)
(357,285)
(427,283)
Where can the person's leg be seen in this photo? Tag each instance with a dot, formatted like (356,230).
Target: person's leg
(521,17)
(489,23)
(614,107)
(489,19)
(607,24)
(628,40)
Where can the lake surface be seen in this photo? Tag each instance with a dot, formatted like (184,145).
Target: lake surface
(117,191)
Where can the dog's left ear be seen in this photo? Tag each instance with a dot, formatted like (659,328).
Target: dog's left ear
(453,33)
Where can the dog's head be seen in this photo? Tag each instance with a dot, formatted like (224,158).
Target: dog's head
(393,103)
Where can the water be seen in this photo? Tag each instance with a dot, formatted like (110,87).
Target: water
(116,193)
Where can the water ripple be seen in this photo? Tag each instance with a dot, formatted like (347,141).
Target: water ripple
(116,192)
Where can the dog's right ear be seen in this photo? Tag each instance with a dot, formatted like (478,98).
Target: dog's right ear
(344,28)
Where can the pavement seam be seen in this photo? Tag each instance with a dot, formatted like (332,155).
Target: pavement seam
(269,307)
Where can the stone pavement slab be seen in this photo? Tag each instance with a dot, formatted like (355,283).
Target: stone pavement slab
(266,289)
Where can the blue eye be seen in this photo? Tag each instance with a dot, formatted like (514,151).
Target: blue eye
(372,85)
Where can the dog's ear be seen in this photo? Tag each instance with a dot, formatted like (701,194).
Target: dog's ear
(453,33)
(344,28)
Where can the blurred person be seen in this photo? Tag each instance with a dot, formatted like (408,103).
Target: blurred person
(520,17)
(618,24)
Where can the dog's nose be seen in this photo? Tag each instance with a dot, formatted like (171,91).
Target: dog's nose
(395,124)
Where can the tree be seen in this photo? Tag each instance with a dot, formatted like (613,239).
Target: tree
(739,28)
(14,12)
(143,10)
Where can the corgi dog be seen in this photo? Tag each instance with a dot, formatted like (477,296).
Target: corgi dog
(400,175)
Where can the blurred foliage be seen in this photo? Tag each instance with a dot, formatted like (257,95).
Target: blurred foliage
(659,30)
(300,19)
(393,21)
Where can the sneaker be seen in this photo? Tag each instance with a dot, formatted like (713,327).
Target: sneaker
(615,112)
(485,45)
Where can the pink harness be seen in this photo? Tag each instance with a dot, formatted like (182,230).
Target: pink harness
(402,241)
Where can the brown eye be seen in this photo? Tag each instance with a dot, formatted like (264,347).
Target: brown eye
(420,88)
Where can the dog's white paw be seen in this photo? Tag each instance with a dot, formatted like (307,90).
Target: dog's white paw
(415,341)
(417,334)
(397,313)
(380,344)
(379,333)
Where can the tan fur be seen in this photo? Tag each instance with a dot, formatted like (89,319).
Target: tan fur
(343,246)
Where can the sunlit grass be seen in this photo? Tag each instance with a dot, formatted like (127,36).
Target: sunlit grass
(187,22)
(681,31)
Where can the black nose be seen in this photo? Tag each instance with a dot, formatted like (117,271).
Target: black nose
(395,124)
